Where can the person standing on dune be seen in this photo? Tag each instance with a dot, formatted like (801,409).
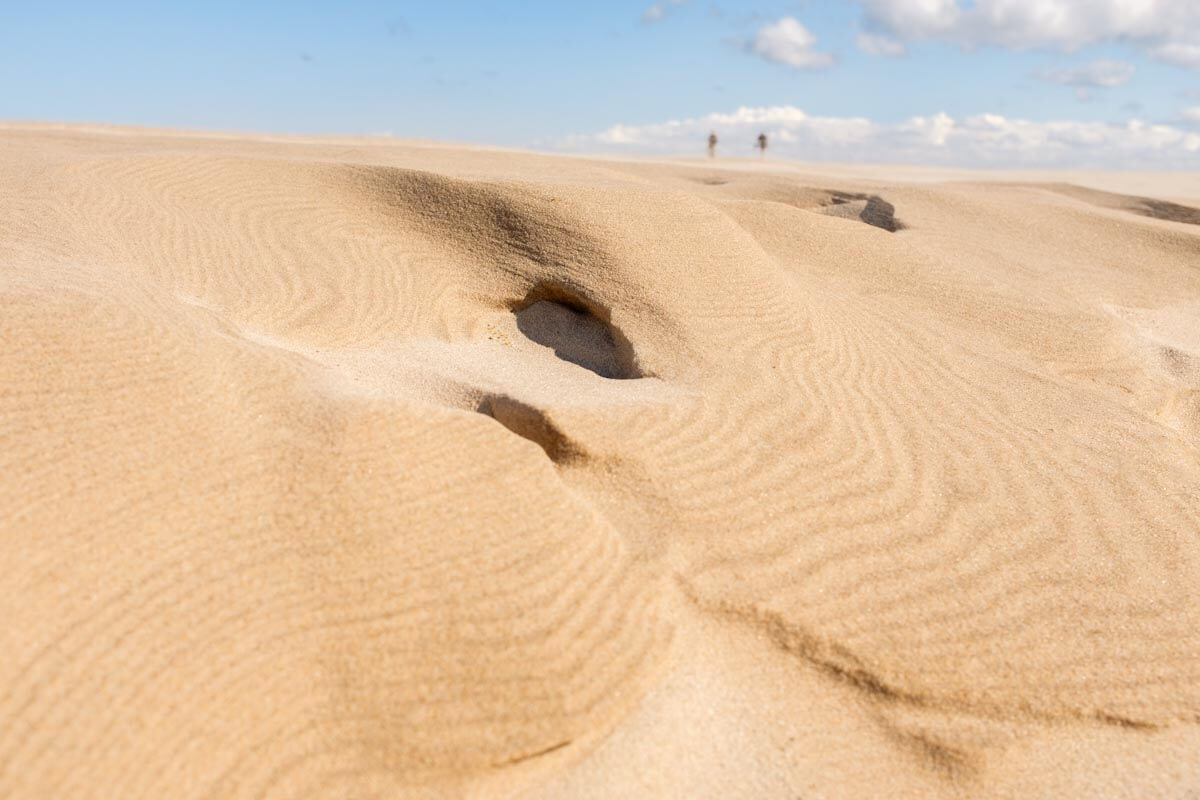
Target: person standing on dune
(712,144)
(761,145)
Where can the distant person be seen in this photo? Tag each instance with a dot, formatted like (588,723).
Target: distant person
(761,145)
(712,145)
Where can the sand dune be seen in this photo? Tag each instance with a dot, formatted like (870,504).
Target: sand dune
(352,468)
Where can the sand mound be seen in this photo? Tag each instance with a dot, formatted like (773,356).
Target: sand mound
(864,207)
(1145,206)
(362,469)
(871,209)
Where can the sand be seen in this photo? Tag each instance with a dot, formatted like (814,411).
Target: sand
(358,468)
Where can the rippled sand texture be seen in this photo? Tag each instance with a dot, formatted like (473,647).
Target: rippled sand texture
(345,468)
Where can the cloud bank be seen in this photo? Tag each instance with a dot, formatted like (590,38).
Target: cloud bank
(1165,29)
(979,140)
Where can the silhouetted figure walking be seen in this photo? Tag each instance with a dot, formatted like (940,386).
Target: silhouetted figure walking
(712,145)
(761,145)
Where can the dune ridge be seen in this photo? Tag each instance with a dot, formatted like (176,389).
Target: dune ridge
(357,468)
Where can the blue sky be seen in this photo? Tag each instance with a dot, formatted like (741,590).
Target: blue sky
(561,75)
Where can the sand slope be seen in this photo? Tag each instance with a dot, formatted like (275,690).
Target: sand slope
(347,468)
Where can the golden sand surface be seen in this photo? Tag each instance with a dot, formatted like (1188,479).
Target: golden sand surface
(360,468)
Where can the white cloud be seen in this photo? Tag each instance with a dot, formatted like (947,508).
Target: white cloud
(1166,29)
(1096,75)
(657,11)
(787,41)
(1191,114)
(980,140)
(878,44)
(653,13)
(1184,54)
(935,130)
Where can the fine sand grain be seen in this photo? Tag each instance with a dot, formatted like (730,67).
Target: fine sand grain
(354,468)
